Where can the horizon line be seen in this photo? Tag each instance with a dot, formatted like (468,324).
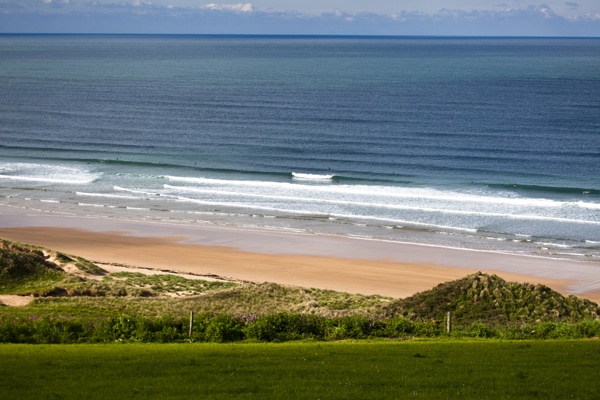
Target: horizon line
(307,35)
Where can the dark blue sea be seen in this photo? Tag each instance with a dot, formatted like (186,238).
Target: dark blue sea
(477,143)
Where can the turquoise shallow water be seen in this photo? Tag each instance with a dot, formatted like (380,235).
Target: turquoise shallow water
(478,143)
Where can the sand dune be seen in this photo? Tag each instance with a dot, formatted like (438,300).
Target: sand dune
(351,265)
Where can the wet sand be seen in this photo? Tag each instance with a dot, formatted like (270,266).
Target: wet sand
(343,264)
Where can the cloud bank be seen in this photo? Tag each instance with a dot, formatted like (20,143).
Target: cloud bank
(141,16)
(239,7)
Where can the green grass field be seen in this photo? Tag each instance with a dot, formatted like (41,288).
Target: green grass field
(343,370)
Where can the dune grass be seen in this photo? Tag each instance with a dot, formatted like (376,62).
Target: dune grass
(343,370)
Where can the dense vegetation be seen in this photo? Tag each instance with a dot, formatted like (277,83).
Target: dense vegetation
(489,298)
(78,302)
(280,327)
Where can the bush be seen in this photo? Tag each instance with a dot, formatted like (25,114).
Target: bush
(398,327)
(168,329)
(429,329)
(354,327)
(16,331)
(223,328)
(283,327)
(588,328)
(480,330)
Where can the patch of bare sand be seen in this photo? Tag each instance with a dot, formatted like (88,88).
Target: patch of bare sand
(14,300)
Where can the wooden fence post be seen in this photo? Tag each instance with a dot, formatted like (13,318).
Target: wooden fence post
(191,323)
(449,322)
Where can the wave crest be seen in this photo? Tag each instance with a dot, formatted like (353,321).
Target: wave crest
(311,177)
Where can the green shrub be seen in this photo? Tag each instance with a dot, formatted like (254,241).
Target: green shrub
(481,330)
(398,327)
(16,331)
(223,328)
(284,327)
(56,331)
(354,327)
(168,329)
(131,329)
(429,329)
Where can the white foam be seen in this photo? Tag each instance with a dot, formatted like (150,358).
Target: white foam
(311,177)
(91,205)
(458,211)
(373,193)
(47,173)
(106,195)
(587,205)
(364,200)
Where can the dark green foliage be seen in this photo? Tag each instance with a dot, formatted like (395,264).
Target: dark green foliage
(138,329)
(26,272)
(218,329)
(46,330)
(355,327)
(397,327)
(280,327)
(489,298)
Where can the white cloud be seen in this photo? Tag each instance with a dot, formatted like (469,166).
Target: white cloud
(239,7)
(594,16)
(140,3)
(505,17)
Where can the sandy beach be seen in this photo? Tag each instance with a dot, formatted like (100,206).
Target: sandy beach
(343,264)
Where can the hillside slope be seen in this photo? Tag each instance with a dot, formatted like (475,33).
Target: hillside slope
(491,299)
(25,269)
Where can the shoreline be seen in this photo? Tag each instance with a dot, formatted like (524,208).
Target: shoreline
(343,264)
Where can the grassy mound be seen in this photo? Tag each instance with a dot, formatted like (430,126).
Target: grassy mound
(491,299)
(25,270)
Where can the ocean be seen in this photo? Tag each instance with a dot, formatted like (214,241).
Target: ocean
(476,143)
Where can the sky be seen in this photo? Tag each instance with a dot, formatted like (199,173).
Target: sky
(311,17)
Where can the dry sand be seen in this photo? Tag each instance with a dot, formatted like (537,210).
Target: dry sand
(350,265)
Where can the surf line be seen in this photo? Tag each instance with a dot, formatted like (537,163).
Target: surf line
(311,177)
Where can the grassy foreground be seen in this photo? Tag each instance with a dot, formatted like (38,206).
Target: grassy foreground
(342,370)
